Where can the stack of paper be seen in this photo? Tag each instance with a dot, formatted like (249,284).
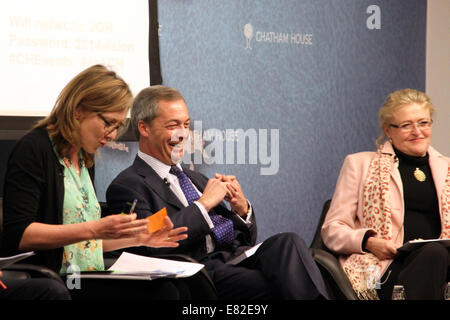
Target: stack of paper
(414,244)
(136,267)
(7,261)
(247,253)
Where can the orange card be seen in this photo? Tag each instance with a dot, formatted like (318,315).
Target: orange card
(156,220)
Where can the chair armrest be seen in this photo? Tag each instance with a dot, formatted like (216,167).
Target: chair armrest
(34,271)
(331,264)
(177,256)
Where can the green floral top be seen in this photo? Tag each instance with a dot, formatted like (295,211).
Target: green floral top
(80,205)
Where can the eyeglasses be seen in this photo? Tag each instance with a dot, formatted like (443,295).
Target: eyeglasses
(410,126)
(109,127)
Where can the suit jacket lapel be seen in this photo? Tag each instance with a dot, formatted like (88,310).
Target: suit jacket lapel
(395,173)
(154,182)
(439,169)
(195,180)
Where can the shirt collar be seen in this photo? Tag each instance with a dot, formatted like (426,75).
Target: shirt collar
(160,168)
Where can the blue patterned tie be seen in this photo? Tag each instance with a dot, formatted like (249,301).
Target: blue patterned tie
(223,227)
(223,231)
(186,185)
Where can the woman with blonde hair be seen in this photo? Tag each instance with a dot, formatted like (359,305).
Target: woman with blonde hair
(50,205)
(386,198)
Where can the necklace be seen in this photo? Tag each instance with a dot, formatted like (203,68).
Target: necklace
(69,163)
(419,175)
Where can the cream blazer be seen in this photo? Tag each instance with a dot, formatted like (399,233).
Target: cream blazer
(342,231)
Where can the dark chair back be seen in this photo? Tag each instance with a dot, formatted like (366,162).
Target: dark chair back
(336,280)
(1,220)
(25,270)
(317,241)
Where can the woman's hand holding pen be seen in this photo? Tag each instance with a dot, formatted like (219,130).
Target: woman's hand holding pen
(165,237)
(121,226)
(117,226)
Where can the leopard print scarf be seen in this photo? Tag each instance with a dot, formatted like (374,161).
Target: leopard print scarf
(363,269)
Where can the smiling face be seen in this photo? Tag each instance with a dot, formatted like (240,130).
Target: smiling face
(165,137)
(414,142)
(97,129)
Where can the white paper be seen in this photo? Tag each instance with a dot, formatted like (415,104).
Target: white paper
(247,253)
(129,263)
(428,240)
(413,244)
(7,261)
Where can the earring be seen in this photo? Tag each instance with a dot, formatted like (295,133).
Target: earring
(77,114)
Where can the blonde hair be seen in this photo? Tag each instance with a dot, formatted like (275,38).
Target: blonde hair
(397,100)
(96,89)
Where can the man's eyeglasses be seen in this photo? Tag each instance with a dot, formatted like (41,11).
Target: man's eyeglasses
(410,126)
(109,127)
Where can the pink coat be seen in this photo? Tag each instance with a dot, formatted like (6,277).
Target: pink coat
(342,231)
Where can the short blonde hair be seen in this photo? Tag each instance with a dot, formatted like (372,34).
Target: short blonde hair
(96,89)
(395,101)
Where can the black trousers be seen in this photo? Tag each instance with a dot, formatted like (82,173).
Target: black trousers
(281,268)
(121,289)
(424,273)
(33,289)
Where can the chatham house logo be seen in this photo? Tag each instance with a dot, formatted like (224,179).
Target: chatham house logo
(275,37)
(248,33)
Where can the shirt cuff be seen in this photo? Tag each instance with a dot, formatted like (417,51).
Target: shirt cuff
(205,214)
(247,220)
(367,235)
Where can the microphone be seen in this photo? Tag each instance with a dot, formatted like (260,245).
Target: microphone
(167,182)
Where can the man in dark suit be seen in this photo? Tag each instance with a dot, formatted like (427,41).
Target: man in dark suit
(281,268)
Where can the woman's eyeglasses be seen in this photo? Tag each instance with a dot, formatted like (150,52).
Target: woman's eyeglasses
(109,127)
(410,126)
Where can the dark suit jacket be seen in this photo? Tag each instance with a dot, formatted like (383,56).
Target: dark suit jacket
(141,182)
(34,192)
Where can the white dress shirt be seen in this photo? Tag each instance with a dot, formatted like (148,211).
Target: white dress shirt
(162,170)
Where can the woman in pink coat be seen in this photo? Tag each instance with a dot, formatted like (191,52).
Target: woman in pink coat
(386,198)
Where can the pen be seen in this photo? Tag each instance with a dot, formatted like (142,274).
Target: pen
(133,205)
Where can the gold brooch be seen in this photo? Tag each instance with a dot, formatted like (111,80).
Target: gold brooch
(419,175)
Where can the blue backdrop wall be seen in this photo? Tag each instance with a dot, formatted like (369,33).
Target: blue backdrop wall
(280,91)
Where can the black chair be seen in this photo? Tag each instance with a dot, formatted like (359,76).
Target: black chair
(337,282)
(25,270)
